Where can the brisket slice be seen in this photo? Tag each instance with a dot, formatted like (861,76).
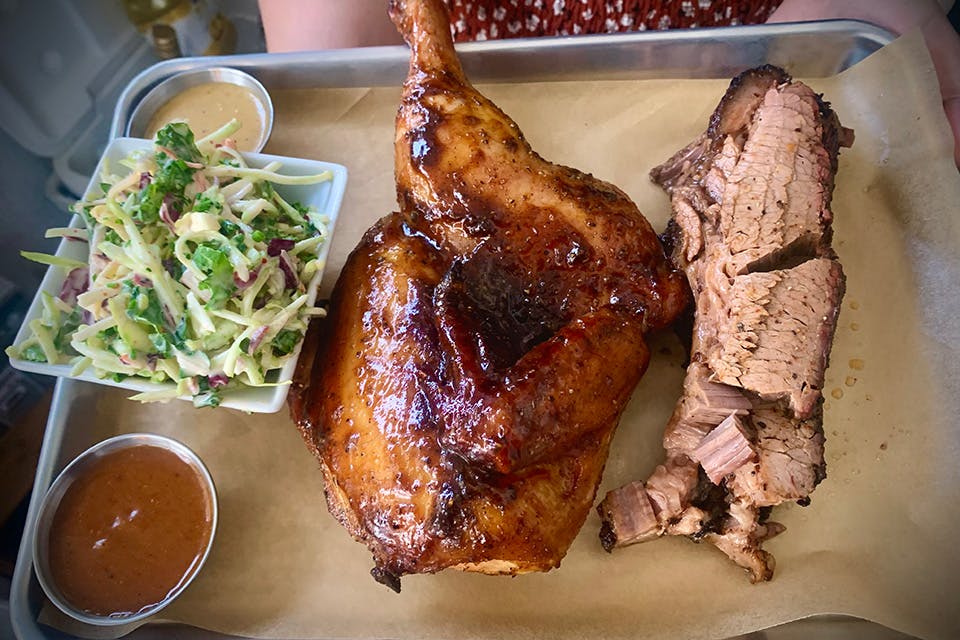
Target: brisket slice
(725,450)
(775,337)
(789,461)
(751,227)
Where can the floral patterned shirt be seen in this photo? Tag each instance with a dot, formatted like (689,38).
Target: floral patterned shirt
(493,19)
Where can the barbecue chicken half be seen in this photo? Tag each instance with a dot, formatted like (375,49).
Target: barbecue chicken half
(482,342)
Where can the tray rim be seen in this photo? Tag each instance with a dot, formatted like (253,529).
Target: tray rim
(869,32)
(24,622)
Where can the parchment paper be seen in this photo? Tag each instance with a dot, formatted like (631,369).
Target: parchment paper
(877,542)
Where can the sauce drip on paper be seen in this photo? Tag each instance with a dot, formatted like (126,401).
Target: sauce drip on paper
(129,530)
(207,107)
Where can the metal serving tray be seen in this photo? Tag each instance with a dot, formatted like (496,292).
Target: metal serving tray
(814,49)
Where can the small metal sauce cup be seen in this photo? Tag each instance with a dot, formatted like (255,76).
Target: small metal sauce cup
(175,84)
(56,493)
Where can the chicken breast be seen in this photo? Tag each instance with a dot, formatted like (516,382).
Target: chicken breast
(482,342)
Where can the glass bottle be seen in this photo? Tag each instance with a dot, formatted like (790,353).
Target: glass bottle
(200,29)
(165,42)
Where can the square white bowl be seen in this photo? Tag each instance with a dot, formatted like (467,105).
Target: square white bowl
(326,197)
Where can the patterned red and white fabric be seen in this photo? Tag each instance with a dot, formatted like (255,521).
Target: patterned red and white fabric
(495,19)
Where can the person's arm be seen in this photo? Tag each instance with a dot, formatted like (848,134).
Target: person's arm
(308,25)
(898,16)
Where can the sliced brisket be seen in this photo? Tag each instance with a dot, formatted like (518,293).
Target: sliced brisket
(789,462)
(775,336)
(725,449)
(751,227)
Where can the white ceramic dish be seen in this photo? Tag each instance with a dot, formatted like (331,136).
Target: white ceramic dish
(326,197)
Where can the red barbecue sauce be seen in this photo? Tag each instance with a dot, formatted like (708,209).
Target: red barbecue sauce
(129,530)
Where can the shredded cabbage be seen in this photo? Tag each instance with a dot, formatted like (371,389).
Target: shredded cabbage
(197,272)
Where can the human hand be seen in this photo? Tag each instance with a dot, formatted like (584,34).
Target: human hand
(898,16)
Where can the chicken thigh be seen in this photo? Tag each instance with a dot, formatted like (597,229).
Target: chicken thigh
(482,342)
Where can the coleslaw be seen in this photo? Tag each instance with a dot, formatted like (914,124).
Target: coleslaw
(197,272)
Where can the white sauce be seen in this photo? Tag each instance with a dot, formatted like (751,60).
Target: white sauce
(207,107)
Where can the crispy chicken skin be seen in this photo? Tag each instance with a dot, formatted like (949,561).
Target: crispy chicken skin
(482,342)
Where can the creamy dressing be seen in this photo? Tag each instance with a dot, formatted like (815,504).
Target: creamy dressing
(207,107)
